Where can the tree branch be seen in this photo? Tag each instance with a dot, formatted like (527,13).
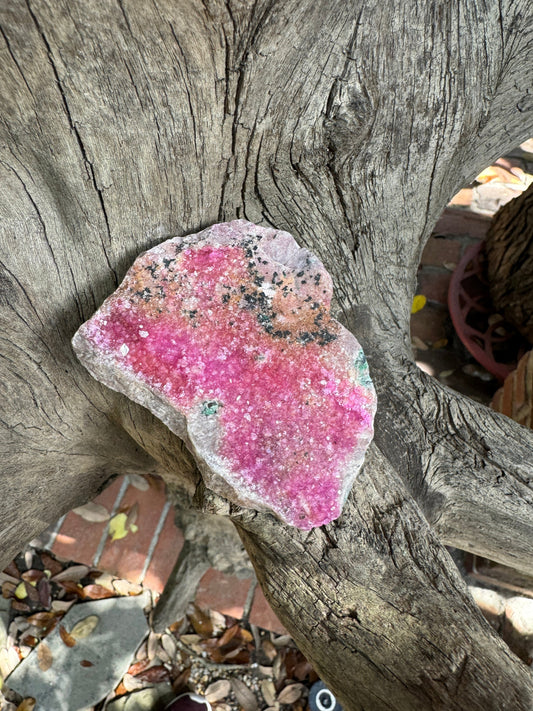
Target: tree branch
(344,615)
(480,465)
(468,467)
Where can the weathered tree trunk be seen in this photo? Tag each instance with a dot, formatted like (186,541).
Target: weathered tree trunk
(349,124)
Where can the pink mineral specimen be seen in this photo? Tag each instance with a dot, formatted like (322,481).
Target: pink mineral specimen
(226,336)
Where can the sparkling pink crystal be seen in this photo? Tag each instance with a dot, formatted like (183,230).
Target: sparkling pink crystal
(226,336)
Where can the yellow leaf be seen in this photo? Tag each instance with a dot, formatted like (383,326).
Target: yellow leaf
(418,303)
(84,627)
(117,527)
(20,591)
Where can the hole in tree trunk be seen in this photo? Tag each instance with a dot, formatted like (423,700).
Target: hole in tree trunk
(458,336)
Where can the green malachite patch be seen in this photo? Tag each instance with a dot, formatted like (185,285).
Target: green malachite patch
(210,407)
(361,366)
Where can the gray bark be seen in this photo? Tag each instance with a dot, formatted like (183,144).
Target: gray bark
(349,124)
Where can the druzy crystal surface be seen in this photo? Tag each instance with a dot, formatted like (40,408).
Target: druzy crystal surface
(226,336)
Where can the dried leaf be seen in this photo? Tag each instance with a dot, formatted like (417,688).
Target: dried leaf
(44,656)
(291,694)
(139,482)
(85,627)
(302,670)
(32,576)
(125,587)
(20,606)
(28,704)
(154,675)
(92,512)
(66,637)
(169,645)
(131,683)
(201,621)
(86,663)
(8,661)
(44,590)
(265,671)
(121,689)
(269,649)
(179,626)
(96,592)
(278,669)
(74,573)
(284,640)
(4,577)
(245,635)
(50,563)
(72,589)
(21,591)
(61,606)
(218,620)
(117,527)
(418,304)
(245,696)
(138,667)
(269,691)
(217,691)
(28,640)
(228,635)
(42,620)
(494,318)
(446,373)
(12,570)
(179,685)
(132,516)
(417,342)
(293,657)
(153,645)
(237,656)
(8,589)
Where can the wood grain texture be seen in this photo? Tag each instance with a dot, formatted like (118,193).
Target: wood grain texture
(509,249)
(350,125)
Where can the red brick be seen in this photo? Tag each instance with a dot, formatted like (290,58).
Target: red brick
(224,593)
(434,285)
(430,324)
(262,614)
(125,558)
(460,222)
(440,251)
(77,538)
(165,554)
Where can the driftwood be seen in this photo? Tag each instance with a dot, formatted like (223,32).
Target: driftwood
(509,247)
(350,125)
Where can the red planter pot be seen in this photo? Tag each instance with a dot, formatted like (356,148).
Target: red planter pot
(494,343)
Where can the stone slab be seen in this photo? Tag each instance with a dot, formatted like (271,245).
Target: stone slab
(82,675)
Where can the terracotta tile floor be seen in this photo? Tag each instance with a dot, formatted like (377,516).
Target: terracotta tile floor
(148,551)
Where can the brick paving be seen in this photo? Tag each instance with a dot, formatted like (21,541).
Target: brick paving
(148,551)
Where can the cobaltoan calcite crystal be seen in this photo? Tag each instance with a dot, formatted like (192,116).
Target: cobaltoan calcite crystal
(226,336)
